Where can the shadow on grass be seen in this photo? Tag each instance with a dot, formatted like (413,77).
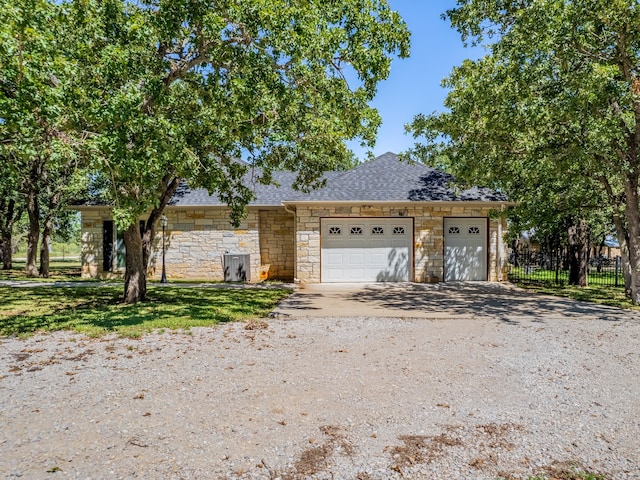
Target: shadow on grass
(601,294)
(59,271)
(95,311)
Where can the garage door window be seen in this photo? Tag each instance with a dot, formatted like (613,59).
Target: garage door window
(474,230)
(454,231)
(366,249)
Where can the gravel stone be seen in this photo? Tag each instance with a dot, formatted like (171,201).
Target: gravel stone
(326,398)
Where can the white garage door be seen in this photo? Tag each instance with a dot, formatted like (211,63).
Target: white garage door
(465,249)
(366,249)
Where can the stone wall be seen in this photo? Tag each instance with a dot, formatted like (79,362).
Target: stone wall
(277,246)
(195,243)
(428,237)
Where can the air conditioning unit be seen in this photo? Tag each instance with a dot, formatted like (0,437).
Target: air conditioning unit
(237,267)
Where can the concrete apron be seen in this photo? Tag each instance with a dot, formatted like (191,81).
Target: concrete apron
(455,300)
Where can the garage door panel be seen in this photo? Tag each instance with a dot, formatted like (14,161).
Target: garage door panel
(374,254)
(378,258)
(353,274)
(465,249)
(335,259)
(355,258)
(334,275)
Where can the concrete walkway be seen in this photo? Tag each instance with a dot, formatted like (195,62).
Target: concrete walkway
(438,301)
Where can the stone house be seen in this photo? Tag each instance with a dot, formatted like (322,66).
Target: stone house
(385,220)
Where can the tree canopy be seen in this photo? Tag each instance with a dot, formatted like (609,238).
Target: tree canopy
(177,90)
(39,136)
(551,115)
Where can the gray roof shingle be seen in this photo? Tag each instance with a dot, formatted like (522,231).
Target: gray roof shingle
(383,179)
(266,195)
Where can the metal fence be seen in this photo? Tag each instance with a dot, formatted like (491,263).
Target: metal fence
(536,267)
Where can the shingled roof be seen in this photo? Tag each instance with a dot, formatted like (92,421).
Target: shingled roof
(385,178)
(265,195)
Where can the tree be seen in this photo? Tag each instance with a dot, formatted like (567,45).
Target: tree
(554,107)
(36,120)
(11,210)
(59,189)
(180,89)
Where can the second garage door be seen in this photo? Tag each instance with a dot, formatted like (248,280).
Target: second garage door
(366,249)
(465,249)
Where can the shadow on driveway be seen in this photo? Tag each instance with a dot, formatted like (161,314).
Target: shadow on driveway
(443,300)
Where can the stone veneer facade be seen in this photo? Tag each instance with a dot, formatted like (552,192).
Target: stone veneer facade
(281,245)
(428,236)
(195,243)
(277,244)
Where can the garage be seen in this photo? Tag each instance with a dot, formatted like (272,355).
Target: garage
(359,250)
(465,249)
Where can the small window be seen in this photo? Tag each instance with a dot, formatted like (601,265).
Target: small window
(356,230)
(474,230)
(377,230)
(398,230)
(335,230)
(454,230)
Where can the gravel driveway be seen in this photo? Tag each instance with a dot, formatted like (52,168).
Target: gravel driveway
(345,398)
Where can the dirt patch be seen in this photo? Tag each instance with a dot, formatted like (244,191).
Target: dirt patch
(420,449)
(317,459)
(565,470)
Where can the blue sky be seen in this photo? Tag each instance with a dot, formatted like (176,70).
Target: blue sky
(414,84)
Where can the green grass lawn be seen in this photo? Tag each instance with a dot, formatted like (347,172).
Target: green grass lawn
(96,310)
(59,270)
(601,294)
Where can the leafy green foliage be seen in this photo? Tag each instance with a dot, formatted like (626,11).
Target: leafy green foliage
(180,89)
(40,140)
(96,311)
(550,115)
(176,91)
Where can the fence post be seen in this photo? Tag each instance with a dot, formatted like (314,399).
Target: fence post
(617,268)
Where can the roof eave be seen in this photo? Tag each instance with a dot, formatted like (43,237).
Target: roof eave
(506,203)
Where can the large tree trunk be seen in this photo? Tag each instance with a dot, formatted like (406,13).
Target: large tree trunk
(11,214)
(633,225)
(52,209)
(135,277)
(6,250)
(578,254)
(44,248)
(170,185)
(623,241)
(138,245)
(33,210)
(148,233)
(618,201)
